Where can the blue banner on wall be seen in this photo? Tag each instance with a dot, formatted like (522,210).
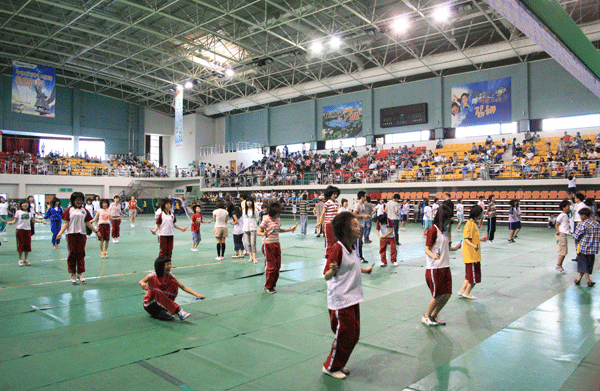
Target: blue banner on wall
(179,118)
(342,121)
(486,102)
(33,89)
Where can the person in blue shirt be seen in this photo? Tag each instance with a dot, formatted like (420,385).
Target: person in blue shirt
(54,213)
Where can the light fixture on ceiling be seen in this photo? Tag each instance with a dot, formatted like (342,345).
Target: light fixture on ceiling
(188,84)
(335,42)
(316,47)
(441,13)
(179,87)
(229,72)
(400,24)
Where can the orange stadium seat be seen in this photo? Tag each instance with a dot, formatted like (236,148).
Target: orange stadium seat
(496,194)
(590,194)
(473,195)
(553,194)
(544,194)
(562,194)
(425,194)
(535,194)
(519,194)
(419,195)
(510,194)
(503,194)
(526,195)
(439,194)
(597,194)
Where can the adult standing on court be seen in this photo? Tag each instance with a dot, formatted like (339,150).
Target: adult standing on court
(490,213)
(393,212)
(369,209)
(303,213)
(317,211)
(361,215)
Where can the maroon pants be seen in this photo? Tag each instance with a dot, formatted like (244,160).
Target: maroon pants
(116,228)
(23,240)
(104,230)
(159,301)
(76,258)
(330,239)
(165,245)
(272,252)
(383,243)
(345,323)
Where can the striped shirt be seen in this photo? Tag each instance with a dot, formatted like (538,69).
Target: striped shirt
(331,210)
(587,235)
(271,228)
(304,207)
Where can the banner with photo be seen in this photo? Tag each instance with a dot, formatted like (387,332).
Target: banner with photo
(33,89)
(179,118)
(486,102)
(342,121)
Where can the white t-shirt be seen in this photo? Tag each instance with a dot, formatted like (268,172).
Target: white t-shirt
(435,207)
(96,205)
(23,220)
(405,209)
(220,218)
(563,223)
(392,210)
(441,246)
(4,209)
(345,288)
(578,207)
(166,224)
(103,216)
(482,204)
(380,209)
(460,209)
(77,217)
(249,220)
(572,182)
(89,208)
(428,213)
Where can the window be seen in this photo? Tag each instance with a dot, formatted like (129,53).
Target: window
(407,137)
(154,150)
(484,130)
(575,122)
(93,147)
(345,143)
(56,145)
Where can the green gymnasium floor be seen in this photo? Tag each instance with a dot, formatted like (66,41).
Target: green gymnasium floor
(529,329)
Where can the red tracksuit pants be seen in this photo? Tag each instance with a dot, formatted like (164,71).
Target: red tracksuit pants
(383,243)
(159,301)
(330,239)
(76,258)
(116,228)
(345,323)
(166,245)
(272,252)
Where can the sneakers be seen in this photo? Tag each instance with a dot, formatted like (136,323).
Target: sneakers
(270,290)
(235,256)
(382,264)
(132,225)
(21,263)
(336,375)
(439,321)
(368,241)
(394,263)
(428,321)
(115,240)
(345,371)
(183,315)
(194,248)
(468,296)
(80,277)
(250,261)
(73,278)
(511,240)
(362,260)
(491,241)
(560,269)
(27,263)
(591,284)
(460,294)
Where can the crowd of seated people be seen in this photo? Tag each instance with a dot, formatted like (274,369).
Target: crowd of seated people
(19,162)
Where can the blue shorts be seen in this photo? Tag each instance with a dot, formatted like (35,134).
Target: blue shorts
(461,217)
(196,236)
(571,190)
(514,226)
(427,223)
(404,217)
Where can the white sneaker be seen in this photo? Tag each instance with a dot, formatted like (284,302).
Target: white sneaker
(21,263)
(183,315)
(80,277)
(335,375)
(428,321)
(394,263)
(73,278)
(27,263)
(132,225)
(194,248)
(218,258)
(235,256)
(491,241)
(382,264)
(116,240)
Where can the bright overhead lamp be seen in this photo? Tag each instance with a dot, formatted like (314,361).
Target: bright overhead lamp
(441,13)
(188,84)
(229,72)
(335,42)
(179,87)
(316,47)
(400,24)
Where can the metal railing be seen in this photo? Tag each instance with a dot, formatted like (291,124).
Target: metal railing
(228,147)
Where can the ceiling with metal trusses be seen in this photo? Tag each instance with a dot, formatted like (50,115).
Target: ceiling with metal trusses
(139,50)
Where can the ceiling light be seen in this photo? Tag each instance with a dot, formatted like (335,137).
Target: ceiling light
(229,72)
(188,84)
(400,24)
(316,47)
(179,87)
(335,42)
(441,13)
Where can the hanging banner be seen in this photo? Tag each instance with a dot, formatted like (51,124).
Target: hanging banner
(486,102)
(179,118)
(342,121)
(33,89)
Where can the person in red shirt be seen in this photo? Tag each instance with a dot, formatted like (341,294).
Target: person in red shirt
(133,208)
(196,222)
(161,290)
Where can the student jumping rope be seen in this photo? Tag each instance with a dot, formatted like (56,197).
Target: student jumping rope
(490,214)
(54,213)
(24,220)
(161,290)
(330,209)
(471,253)
(220,216)
(164,225)
(238,230)
(437,275)
(133,208)
(344,293)
(460,213)
(115,218)
(270,228)
(385,232)
(514,220)
(102,220)
(76,219)
(250,215)
(197,221)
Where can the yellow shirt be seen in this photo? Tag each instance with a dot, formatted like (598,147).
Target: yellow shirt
(472,233)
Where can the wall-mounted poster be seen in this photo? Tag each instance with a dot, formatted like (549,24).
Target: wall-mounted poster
(486,102)
(178,118)
(342,121)
(33,89)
